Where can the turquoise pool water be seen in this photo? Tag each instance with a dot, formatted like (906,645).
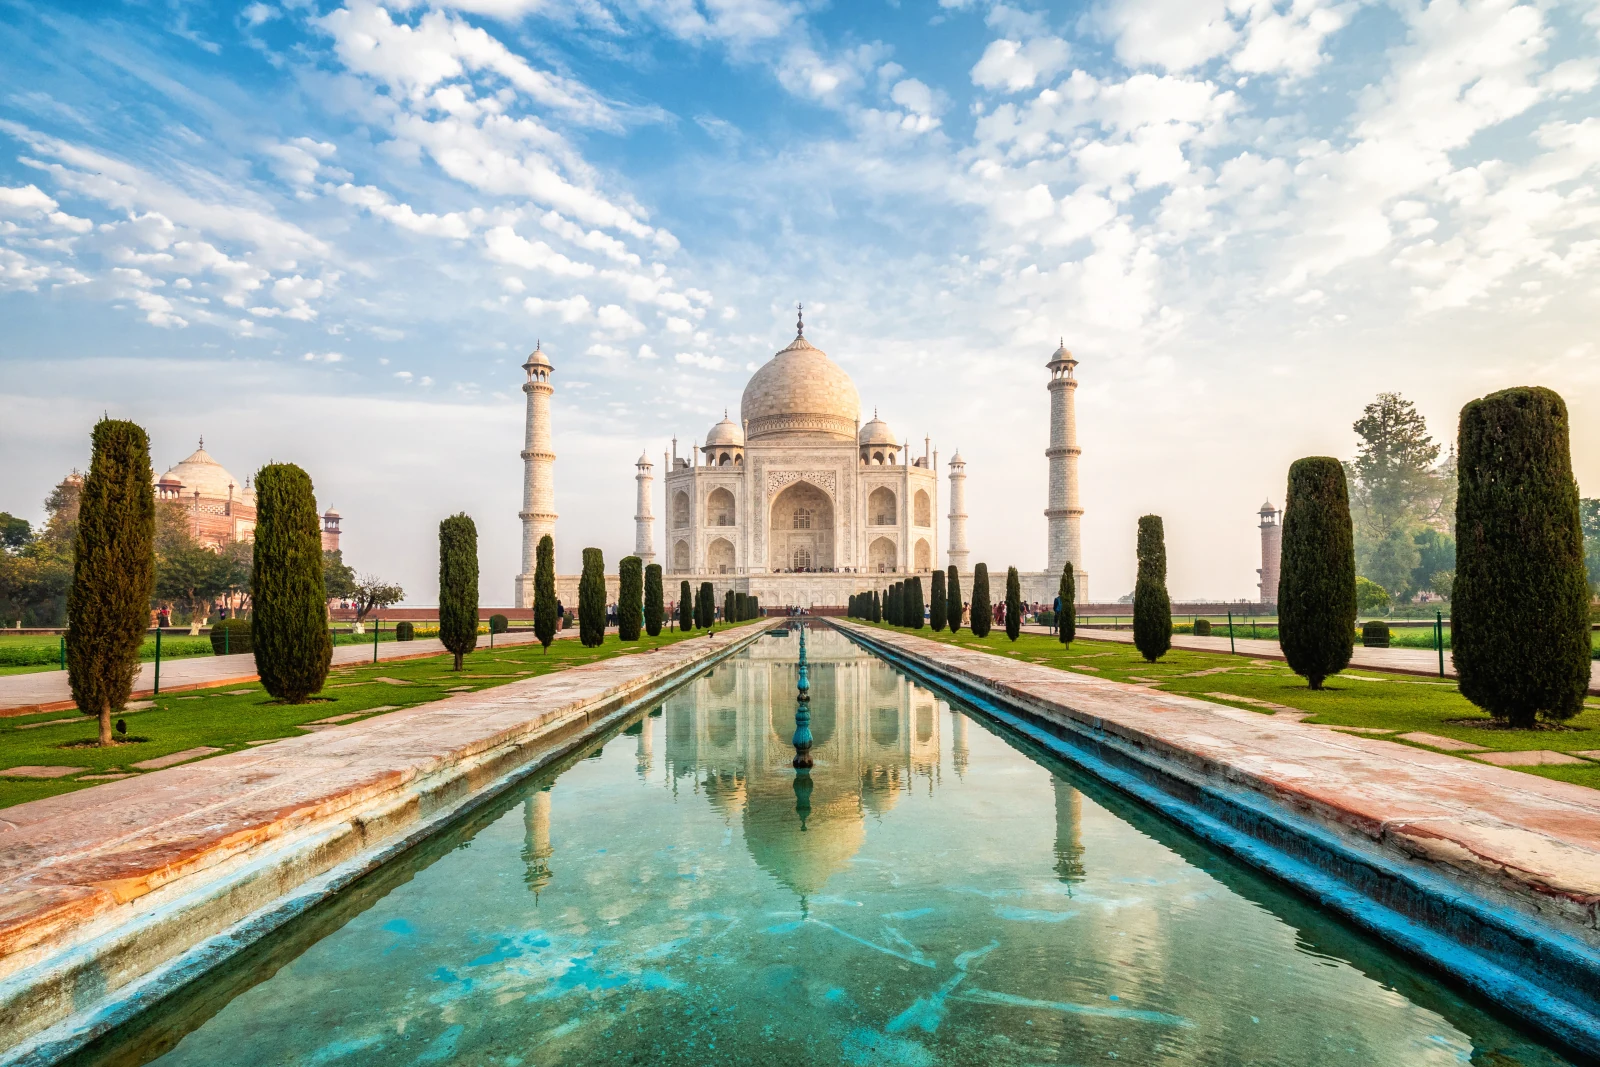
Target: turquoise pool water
(941,894)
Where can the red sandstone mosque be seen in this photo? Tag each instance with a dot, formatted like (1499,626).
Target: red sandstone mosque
(221,509)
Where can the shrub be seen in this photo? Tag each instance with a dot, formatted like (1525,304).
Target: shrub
(113,571)
(630,598)
(1519,620)
(1317,576)
(230,637)
(544,592)
(937,604)
(914,604)
(1371,598)
(1047,617)
(982,610)
(686,608)
(1152,608)
(1067,620)
(953,606)
(1013,603)
(1202,627)
(655,601)
(499,624)
(592,599)
(1375,634)
(289,612)
(458,585)
(405,631)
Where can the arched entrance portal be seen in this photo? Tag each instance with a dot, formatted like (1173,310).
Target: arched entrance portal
(800,530)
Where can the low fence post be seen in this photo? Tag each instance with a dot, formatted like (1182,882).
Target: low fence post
(63,651)
(1231,650)
(156,690)
(1438,638)
(377,624)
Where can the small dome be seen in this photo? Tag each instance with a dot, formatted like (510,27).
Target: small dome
(537,358)
(331,514)
(725,434)
(1061,354)
(956,458)
(877,432)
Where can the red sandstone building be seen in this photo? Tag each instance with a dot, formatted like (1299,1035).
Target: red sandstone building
(221,509)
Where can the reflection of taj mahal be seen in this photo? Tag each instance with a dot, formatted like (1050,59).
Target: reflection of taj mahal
(801,504)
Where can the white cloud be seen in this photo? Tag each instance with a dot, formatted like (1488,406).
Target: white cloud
(618,321)
(506,245)
(1016,65)
(323,357)
(455,224)
(701,360)
(572,309)
(1176,35)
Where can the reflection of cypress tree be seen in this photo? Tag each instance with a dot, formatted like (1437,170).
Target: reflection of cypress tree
(1069,830)
(536,850)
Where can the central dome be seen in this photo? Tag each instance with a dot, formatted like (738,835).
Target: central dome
(800,392)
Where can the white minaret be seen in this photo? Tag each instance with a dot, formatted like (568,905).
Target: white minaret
(1271,551)
(644,523)
(958,513)
(538,462)
(1064,512)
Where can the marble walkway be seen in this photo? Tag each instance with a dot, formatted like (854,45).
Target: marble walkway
(23,694)
(1400,660)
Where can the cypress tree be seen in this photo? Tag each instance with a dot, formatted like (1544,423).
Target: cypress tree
(113,572)
(730,607)
(458,585)
(953,606)
(289,617)
(654,600)
(1067,617)
(1519,620)
(708,603)
(630,598)
(936,601)
(1152,608)
(877,607)
(592,599)
(897,596)
(915,604)
(1013,603)
(686,615)
(544,592)
(1317,575)
(982,610)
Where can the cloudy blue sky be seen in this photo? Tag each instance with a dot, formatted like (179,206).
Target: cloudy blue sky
(328,233)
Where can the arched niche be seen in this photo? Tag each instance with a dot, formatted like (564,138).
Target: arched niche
(922,556)
(680,557)
(719,556)
(881,509)
(719,508)
(680,510)
(922,509)
(800,529)
(881,555)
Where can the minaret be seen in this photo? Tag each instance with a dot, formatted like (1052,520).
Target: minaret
(1064,513)
(1271,551)
(538,462)
(644,523)
(958,513)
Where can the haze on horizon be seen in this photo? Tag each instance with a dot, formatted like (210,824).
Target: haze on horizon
(328,233)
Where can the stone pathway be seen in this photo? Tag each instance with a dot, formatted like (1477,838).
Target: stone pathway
(1398,660)
(25,694)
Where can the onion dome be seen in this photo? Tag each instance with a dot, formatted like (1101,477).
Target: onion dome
(801,392)
(200,473)
(877,432)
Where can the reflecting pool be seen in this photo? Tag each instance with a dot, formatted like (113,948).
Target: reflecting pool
(934,891)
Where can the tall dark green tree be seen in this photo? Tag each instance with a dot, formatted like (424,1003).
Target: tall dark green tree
(458,586)
(953,606)
(708,605)
(877,607)
(655,600)
(730,607)
(1013,603)
(1519,620)
(1317,575)
(544,592)
(630,598)
(915,606)
(1067,617)
(289,617)
(113,572)
(936,601)
(982,609)
(1152,607)
(592,599)
(687,615)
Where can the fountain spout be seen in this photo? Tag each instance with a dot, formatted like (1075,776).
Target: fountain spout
(802,712)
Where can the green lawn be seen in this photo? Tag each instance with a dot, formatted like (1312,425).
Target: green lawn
(1369,699)
(231,718)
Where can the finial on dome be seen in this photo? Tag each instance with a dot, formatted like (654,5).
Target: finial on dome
(202,442)
(799,320)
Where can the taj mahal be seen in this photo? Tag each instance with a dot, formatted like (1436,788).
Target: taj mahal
(799,502)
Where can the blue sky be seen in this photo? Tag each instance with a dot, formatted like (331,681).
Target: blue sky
(328,233)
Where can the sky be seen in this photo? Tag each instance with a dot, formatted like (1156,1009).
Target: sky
(329,233)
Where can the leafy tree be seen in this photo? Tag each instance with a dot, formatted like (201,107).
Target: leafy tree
(1013,603)
(458,585)
(630,598)
(1317,576)
(113,572)
(1371,598)
(938,602)
(953,606)
(338,577)
(592,599)
(544,592)
(1589,514)
(1519,622)
(289,621)
(15,534)
(1397,487)
(1152,607)
(374,594)
(1067,617)
(655,601)
(34,579)
(1443,583)
(1436,552)
(687,615)
(708,605)
(915,607)
(982,609)
(191,575)
(1391,562)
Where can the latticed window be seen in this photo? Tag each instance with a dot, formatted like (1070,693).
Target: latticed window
(802,520)
(802,558)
